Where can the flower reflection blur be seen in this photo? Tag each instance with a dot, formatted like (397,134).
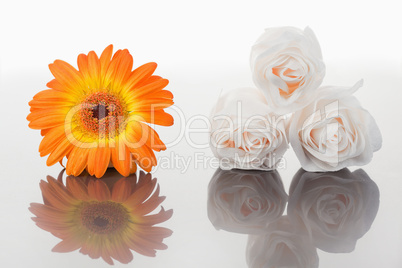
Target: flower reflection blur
(326,210)
(335,208)
(245,201)
(281,246)
(105,217)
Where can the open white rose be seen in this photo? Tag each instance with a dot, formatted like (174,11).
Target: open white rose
(287,66)
(245,134)
(281,246)
(334,131)
(335,208)
(244,201)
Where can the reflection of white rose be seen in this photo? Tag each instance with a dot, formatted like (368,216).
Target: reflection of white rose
(245,201)
(336,208)
(244,134)
(281,246)
(334,132)
(286,64)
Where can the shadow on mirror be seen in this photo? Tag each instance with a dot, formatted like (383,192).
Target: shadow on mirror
(105,217)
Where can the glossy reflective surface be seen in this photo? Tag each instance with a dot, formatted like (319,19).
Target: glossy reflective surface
(203,49)
(288,201)
(245,202)
(104,218)
(327,211)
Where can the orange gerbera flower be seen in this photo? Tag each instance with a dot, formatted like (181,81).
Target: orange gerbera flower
(97,115)
(103,217)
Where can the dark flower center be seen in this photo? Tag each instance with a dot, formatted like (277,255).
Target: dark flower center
(105,217)
(100,111)
(102,114)
(101,222)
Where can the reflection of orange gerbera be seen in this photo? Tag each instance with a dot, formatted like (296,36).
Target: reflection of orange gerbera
(97,115)
(103,220)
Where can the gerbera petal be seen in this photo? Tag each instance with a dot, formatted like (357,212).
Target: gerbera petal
(44,131)
(121,190)
(163,94)
(141,138)
(118,70)
(58,228)
(136,134)
(94,68)
(91,161)
(151,204)
(123,69)
(78,189)
(155,232)
(49,96)
(104,62)
(149,243)
(53,137)
(106,257)
(162,216)
(46,121)
(144,157)
(136,93)
(58,154)
(67,245)
(41,113)
(98,190)
(156,243)
(121,253)
(150,104)
(125,255)
(57,86)
(156,144)
(43,211)
(140,195)
(121,158)
(144,178)
(102,159)
(139,247)
(151,79)
(53,198)
(140,75)
(60,189)
(133,166)
(139,134)
(46,104)
(77,161)
(94,249)
(159,117)
(68,76)
(82,62)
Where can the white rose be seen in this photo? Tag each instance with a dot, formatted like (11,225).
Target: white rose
(334,131)
(286,64)
(336,208)
(281,246)
(245,134)
(245,201)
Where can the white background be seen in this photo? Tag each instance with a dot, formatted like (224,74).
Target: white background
(202,47)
